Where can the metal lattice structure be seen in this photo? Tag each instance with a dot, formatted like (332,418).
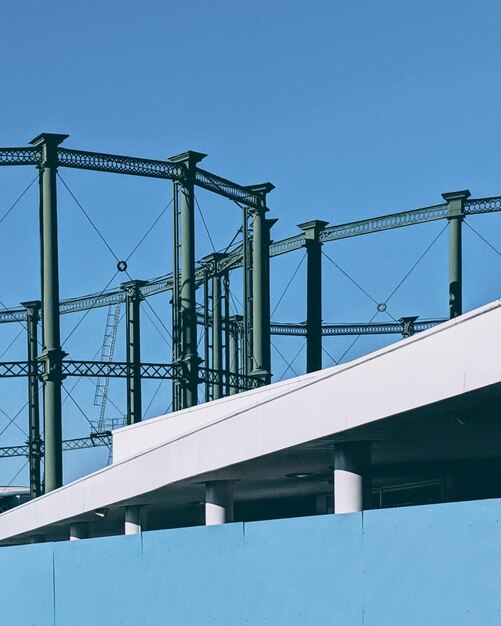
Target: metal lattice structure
(236,352)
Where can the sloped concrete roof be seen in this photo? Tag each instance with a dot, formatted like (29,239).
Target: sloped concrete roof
(455,358)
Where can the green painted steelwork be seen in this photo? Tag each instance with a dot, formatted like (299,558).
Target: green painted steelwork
(312,231)
(52,353)
(34,441)
(133,350)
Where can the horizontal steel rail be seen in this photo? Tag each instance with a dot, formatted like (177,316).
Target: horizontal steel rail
(227,188)
(237,381)
(384,222)
(119,164)
(12,315)
(114,369)
(482,205)
(372,328)
(13,369)
(235,258)
(94,441)
(20,156)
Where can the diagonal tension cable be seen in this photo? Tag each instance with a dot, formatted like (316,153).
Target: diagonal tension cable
(350,278)
(149,230)
(430,246)
(18,199)
(205,225)
(12,420)
(288,363)
(80,409)
(90,308)
(5,487)
(356,339)
(288,285)
(483,238)
(100,235)
(291,364)
(12,343)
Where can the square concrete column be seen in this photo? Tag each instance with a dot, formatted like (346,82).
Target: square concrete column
(133,525)
(218,502)
(352,463)
(79,530)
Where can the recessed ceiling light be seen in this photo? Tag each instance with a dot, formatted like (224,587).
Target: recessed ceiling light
(299,475)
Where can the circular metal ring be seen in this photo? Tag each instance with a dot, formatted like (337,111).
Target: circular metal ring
(381,307)
(122,266)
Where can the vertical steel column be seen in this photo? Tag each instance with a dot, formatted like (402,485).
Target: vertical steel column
(187,304)
(226,326)
(132,289)
(247,290)
(313,246)
(33,317)
(261,357)
(455,215)
(52,354)
(234,326)
(217,334)
(212,261)
(177,402)
(207,385)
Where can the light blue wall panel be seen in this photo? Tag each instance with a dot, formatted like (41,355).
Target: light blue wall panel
(26,586)
(430,566)
(197,574)
(97,580)
(304,571)
(433,565)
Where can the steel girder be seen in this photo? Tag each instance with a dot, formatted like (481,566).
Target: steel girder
(94,441)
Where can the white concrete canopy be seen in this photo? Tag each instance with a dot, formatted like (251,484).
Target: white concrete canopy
(200,444)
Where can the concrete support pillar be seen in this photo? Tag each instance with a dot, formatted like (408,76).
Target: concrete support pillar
(133,525)
(218,502)
(312,232)
(455,215)
(187,305)
(351,477)
(133,350)
(34,442)
(52,354)
(79,530)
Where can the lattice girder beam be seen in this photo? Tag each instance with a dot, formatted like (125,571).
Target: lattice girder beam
(80,443)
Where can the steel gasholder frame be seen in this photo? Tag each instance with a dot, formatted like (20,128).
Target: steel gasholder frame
(51,367)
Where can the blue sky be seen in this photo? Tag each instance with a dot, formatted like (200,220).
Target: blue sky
(351,108)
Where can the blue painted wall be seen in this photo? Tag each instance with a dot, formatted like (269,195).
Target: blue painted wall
(431,565)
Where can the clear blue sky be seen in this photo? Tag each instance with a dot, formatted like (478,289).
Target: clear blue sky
(351,108)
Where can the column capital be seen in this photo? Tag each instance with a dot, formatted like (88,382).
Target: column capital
(263,188)
(213,259)
(313,228)
(190,158)
(456,200)
(132,287)
(408,324)
(32,305)
(51,140)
